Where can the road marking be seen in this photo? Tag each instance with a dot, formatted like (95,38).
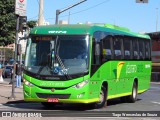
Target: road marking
(156,102)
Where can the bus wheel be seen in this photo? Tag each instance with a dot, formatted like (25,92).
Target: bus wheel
(48,104)
(103,101)
(132,98)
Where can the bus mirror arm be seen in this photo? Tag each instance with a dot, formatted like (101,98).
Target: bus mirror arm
(94,40)
(49,59)
(23,38)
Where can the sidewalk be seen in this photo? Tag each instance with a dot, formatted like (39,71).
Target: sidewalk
(6,92)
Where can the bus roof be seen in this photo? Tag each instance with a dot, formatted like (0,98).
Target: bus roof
(79,29)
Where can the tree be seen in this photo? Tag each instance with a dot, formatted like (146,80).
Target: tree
(31,23)
(8,53)
(7,22)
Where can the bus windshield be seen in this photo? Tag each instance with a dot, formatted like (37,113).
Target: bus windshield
(57,55)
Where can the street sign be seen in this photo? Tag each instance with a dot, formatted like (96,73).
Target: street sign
(141,1)
(20,7)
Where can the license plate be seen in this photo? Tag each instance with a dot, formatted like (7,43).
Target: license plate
(52,99)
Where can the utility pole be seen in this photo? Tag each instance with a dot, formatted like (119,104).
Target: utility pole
(40,18)
(69,18)
(1,55)
(58,12)
(157,20)
(15,60)
(20,11)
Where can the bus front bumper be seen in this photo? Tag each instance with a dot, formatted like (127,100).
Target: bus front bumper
(85,101)
(36,94)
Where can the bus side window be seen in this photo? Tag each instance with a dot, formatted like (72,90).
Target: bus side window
(107,53)
(147,50)
(117,47)
(141,49)
(97,53)
(97,47)
(127,48)
(135,49)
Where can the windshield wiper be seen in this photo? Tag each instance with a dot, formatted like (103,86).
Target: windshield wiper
(59,59)
(41,68)
(63,67)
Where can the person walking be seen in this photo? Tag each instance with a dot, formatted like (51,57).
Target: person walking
(18,76)
(1,70)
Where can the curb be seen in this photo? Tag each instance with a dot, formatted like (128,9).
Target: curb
(15,101)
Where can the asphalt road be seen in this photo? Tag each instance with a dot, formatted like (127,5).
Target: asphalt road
(147,103)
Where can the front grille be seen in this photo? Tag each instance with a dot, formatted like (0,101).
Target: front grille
(52,87)
(60,96)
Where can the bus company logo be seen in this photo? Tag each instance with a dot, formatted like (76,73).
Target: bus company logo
(57,32)
(52,84)
(131,69)
(119,69)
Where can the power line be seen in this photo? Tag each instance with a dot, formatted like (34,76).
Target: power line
(38,2)
(78,11)
(82,10)
(91,7)
(37,15)
(34,16)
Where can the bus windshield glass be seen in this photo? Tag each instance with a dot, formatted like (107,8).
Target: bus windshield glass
(57,55)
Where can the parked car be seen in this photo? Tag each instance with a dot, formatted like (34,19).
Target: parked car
(7,71)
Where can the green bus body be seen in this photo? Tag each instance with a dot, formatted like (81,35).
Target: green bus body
(117,75)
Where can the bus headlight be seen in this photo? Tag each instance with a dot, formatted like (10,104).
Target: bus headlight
(81,84)
(27,83)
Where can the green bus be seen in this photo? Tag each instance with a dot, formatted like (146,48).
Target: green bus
(86,64)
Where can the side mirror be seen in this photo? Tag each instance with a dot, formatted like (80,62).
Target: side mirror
(49,59)
(18,69)
(97,49)
(22,67)
(18,49)
(93,39)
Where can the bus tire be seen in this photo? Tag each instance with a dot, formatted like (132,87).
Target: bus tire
(133,97)
(103,99)
(48,104)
